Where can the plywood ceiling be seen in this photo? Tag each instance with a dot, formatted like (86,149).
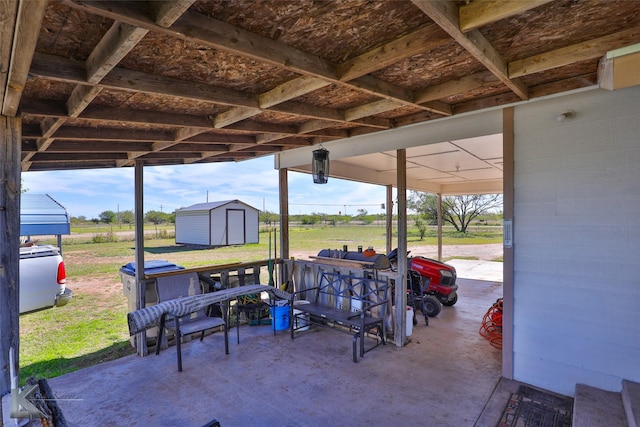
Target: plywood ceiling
(103,83)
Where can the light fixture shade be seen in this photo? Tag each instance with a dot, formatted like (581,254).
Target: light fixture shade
(320,166)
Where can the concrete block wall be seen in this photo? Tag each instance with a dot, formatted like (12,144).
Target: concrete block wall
(577,240)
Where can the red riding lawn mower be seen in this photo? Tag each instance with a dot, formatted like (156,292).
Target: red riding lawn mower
(430,284)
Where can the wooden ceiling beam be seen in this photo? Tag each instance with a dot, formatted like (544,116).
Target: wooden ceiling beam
(370,109)
(590,49)
(80,99)
(290,90)
(63,165)
(195,27)
(21,26)
(445,14)
(99,146)
(420,41)
(111,49)
(476,14)
(83,134)
(167,12)
(314,125)
(50,156)
(214,33)
(118,41)
(454,87)
(234,115)
(263,139)
(53,67)
(377,58)
(291,141)
(216,138)
(194,147)
(281,93)
(9,19)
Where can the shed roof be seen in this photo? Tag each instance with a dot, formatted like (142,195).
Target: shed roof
(41,215)
(211,205)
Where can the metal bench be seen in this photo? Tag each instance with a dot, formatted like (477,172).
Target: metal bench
(344,302)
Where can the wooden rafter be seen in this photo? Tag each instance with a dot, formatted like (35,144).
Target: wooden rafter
(413,75)
(589,49)
(17,48)
(210,32)
(422,40)
(114,45)
(9,16)
(252,45)
(55,68)
(478,13)
(454,87)
(445,14)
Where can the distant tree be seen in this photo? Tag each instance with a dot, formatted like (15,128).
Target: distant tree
(421,225)
(309,219)
(95,220)
(108,217)
(362,212)
(127,217)
(157,217)
(425,205)
(267,217)
(458,211)
(78,219)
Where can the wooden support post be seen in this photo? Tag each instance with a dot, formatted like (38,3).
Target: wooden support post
(400,332)
(284,221)
(10,142)
(389,217)
(141,287)
(508,144)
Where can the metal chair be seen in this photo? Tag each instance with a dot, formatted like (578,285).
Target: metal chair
(179,286)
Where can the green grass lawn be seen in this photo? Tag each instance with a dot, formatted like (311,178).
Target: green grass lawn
(92,328)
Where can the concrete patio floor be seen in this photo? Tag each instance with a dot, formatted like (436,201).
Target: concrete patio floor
(444,376)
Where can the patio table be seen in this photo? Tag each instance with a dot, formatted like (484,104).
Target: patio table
(148,317)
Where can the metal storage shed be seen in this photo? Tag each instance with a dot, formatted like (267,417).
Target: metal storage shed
(41,215)
(224,223)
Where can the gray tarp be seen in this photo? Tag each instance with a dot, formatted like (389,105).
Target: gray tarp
(147,317)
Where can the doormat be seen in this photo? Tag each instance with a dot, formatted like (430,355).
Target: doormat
(534,408)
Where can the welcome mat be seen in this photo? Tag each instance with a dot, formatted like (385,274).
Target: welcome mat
(529,407)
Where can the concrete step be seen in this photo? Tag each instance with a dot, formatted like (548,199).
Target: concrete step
(594,407)
(631,402)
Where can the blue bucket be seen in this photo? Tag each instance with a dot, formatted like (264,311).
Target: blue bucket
(281,317)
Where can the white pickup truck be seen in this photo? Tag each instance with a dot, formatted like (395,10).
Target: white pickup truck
(42,278)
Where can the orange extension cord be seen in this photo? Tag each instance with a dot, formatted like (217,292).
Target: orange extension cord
(491,327)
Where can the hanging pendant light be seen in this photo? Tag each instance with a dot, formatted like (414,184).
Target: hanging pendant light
(320,166)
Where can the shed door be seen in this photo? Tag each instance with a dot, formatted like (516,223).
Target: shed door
(235,227)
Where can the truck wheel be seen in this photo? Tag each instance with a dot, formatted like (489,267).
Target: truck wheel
(452,301)
(432,305)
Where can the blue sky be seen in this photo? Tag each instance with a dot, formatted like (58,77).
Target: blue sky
(167,188)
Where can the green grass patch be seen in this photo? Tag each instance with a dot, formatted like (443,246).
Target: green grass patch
(61,340)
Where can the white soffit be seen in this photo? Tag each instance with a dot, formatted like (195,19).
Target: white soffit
(467,164)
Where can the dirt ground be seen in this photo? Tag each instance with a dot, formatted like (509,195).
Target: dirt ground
(110,286)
